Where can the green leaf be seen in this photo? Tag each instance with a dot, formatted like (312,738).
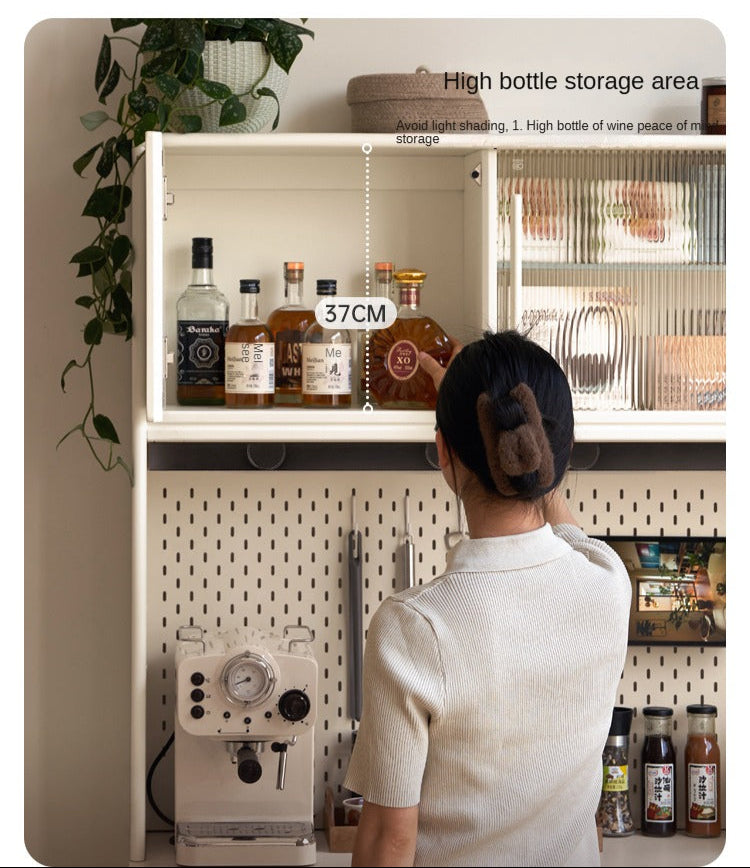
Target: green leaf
(147,123)
(103,62)
(142,103)
(124,148)
(168,85)
(85,300)
(126,282)
(92,120)
(266,91)
(121,248)
(160,64)
(104,428)
(83,161)
(214,89)
(191,123)
(232,112)
(92,333)
(188,34)
(107,159)
(111,83)
(71,364)
(188,67)
(158,35)
(108,202)
(284,46)
(89,254)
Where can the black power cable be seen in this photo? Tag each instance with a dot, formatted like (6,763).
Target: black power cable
(162,753)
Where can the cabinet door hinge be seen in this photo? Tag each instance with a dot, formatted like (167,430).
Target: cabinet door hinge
(476,174)
(167,196)
(168,359)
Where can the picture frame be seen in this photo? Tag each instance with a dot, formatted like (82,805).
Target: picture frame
(679,589)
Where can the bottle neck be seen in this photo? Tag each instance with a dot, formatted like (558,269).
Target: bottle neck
(293,291)
(408,299)
(249,311)
(202,277)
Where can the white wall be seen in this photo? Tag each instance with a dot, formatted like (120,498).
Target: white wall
(77,552)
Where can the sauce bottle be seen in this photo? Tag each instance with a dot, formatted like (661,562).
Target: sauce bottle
(657,774)
(702,773)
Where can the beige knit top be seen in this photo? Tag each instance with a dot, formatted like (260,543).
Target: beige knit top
(488,696)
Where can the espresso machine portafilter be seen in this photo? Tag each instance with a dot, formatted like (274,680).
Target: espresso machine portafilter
(244,736)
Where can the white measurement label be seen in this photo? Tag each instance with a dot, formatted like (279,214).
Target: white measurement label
(355,312)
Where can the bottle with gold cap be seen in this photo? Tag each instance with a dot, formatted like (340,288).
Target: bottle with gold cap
(288,325)
(396,379)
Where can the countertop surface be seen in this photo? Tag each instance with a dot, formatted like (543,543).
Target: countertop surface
(634,850)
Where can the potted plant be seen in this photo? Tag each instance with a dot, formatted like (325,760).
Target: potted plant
(169,87)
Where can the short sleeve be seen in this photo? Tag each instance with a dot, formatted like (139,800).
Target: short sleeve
(403,689)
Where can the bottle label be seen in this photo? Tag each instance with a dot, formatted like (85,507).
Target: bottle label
(659,792)
(402,360)
(326,369)
(249,368)
(615,779)
(716,114)
(702,792)
(289,359)
(200,352)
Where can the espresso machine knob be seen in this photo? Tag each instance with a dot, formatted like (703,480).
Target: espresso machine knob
(248,765)
(294,705)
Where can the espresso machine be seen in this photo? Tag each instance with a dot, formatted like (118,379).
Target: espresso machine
(244,720)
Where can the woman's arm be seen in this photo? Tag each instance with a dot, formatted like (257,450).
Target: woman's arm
(385,836)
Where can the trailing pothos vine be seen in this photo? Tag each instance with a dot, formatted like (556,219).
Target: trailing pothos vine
(166,60)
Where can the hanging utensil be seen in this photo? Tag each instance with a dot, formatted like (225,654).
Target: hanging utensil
(454,537)
(354,560)
(407,550)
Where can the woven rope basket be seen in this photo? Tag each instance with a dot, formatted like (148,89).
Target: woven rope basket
(379,102)
(240,65)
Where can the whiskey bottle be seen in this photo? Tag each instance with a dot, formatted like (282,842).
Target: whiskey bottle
(326,361)
(202,319)
(396,379)
(288,325)
(249,354)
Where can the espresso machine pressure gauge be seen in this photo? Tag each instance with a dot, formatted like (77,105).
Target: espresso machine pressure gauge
(248,678)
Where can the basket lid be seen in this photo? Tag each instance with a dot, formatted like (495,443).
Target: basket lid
(397,85)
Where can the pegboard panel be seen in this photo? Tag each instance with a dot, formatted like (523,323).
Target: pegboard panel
(267,549)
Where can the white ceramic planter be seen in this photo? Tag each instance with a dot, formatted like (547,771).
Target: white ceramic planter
(241,66)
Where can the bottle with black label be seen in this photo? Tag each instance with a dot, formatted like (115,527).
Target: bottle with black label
(202,319)
(657,774)
(326,361)
(249,349)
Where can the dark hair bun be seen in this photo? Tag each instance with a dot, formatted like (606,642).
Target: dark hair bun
(505,408)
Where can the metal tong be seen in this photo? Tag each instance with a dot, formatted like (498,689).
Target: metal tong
(407,549)
(354,560)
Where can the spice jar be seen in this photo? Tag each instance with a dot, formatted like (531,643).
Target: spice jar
(702,773)
(714,106)
(657,774)
(613,815)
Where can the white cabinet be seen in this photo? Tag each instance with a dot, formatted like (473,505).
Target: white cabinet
(267,199)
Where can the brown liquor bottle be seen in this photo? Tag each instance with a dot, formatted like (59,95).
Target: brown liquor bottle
(288,325)
(249,355)
(326,361)
(396,380)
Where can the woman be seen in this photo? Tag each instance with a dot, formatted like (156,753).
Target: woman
(489,691)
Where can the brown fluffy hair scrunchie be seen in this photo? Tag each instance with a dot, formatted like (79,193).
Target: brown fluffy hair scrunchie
(521,450)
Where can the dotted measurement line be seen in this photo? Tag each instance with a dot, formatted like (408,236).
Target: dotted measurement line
(367,150)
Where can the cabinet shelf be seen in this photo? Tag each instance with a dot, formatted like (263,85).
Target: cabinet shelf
(300,425)
(270,198)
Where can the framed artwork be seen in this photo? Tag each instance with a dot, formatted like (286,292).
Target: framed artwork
(679,589)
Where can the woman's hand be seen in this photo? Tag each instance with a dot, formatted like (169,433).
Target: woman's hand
(434,368)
